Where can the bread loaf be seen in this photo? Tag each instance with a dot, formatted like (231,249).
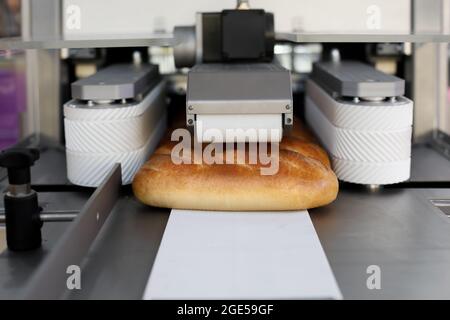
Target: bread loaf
(304,180)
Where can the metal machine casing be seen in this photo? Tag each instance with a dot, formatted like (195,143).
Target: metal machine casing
(257,88)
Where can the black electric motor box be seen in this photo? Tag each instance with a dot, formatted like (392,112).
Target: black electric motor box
(237,36)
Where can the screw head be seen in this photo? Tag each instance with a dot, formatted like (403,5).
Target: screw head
(190,108)
(288,107)
(190,121)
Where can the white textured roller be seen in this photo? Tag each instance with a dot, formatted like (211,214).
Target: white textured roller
(115,135)
(112,127)
(239,127)
(359,145)
(371,173)
(106,135)
(369,142)
(89,169)
(74,111)
(99,136)
(364,115)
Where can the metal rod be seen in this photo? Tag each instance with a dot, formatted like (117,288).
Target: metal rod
(243,5)
(57,217)
(50,216)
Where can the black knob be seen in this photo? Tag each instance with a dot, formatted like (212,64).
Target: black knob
(18,162)
(23,225)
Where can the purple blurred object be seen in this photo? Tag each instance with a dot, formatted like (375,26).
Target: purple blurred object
(7,143)
(9,128)
(12,102)
(12,91)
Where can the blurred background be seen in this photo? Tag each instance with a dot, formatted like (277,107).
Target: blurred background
(35,83)
(12,76)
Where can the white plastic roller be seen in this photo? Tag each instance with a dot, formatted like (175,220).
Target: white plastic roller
(100,135)
(369,141)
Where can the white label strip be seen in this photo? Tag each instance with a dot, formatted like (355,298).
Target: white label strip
(241,255)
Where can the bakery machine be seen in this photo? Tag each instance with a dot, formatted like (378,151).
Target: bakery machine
(231,53)
(233,68)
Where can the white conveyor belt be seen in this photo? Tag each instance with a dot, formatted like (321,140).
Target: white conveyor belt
(240,255)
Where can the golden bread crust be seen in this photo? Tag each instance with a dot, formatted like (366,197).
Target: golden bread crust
(304,180)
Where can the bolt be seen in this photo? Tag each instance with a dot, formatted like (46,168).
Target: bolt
(190,108)
(288,120)
(190,121)
(288,107)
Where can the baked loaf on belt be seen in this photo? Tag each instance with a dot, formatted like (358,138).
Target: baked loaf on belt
(304,180)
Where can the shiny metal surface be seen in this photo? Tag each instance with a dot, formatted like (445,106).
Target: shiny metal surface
(76,241)
(19,190)
(119,263)
(361,37)
(185,53)
(427,165)
(398,229)
(16,269)
(58,216)
(49,216)
(106,41)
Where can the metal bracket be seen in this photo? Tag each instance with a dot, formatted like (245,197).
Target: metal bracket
(50,280)
(355,79)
